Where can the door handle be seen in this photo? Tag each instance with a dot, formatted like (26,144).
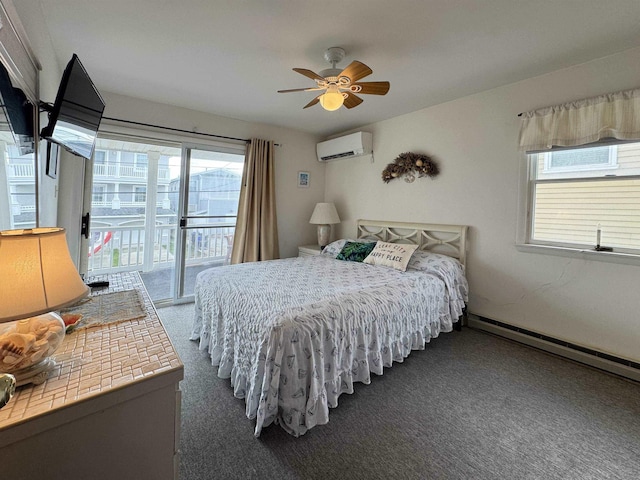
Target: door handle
(84,228)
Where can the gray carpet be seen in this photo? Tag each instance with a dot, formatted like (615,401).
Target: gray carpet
(470,406)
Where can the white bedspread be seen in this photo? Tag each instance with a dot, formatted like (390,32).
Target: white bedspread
(294,334)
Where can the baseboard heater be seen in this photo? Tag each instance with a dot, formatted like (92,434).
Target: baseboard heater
(593,358)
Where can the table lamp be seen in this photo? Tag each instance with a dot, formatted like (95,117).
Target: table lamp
(324,215)
(37,276)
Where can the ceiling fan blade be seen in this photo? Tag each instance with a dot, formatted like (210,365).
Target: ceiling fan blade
(352,100)
(308,73)
(301,90)
(373,88)
(312,102)
(355,71)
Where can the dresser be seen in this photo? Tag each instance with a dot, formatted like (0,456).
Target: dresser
(109,410)
(308,250)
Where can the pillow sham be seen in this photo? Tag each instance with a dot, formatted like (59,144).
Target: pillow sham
(449,270)
(333,249)
(355,251)
(430,261)
(394,255)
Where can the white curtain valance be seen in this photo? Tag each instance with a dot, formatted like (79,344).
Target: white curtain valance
(615,115)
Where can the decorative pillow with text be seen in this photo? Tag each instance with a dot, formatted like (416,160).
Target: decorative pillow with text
(394,255)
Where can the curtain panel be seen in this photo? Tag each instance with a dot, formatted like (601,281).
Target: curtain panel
(256,235)
(615,115)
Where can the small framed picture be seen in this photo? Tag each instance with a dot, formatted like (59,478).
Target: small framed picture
(303,179)
(52,160)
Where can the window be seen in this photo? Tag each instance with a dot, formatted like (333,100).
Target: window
(574,193)
(17,186)
(141,160)
(99,157)
(584,159)
(98,195)
(140,194)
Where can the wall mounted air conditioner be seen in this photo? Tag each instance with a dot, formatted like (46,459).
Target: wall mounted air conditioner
(348,146)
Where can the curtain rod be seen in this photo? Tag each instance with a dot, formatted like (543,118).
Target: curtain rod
(245,140)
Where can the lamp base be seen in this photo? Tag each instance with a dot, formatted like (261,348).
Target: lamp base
(35,374)
(324,233)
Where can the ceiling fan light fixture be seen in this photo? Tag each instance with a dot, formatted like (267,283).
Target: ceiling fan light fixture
(332,100)
(339,85)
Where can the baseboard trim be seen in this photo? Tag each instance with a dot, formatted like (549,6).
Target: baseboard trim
(593,358)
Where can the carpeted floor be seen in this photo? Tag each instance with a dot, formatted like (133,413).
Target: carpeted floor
(470,406)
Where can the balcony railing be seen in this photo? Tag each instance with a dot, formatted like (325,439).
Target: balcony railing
(122,249)
(109,204)
(21,171)
(127,172)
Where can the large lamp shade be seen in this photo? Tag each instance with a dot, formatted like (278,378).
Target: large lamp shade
(37,274)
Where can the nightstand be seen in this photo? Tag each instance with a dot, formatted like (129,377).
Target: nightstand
(308,250)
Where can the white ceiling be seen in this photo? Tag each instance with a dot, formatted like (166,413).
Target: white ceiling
(230,57)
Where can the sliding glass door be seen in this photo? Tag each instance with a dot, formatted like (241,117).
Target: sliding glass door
(134,214)
(164,211)
(211,178)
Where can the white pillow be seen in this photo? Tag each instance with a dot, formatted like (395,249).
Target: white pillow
(334,248)
(394,255)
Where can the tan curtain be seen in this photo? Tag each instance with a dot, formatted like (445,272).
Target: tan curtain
(616,115)
(256,236)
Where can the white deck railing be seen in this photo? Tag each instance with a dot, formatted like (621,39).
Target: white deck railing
(20,170)
(118,171)
(109,204)
(122,249)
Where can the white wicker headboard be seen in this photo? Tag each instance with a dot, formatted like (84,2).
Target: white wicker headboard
(446,239)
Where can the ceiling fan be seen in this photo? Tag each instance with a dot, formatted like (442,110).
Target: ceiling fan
(338,86)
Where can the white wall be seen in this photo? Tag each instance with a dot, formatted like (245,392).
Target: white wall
(474,139)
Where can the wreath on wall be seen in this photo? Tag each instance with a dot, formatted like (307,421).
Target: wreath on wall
(407,165)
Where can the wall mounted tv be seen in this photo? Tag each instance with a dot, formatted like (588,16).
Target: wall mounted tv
(75,116)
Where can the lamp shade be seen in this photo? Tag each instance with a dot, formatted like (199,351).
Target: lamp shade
(324,214)
(37,274)
(332,100)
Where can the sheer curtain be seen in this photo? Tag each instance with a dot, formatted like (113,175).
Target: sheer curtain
(615,115)
(256,236)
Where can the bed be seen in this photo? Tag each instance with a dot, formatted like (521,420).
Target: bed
(294,334)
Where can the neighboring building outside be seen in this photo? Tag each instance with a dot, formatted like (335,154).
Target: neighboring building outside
(586,190)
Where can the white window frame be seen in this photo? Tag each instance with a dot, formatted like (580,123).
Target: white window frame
(526,204)
(589,167)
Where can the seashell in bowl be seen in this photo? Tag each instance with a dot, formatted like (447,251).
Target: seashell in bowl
(30,341)
(16,343)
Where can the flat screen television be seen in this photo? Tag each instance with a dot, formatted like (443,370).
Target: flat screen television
(75,116)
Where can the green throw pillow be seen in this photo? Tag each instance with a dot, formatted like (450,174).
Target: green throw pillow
(355,251)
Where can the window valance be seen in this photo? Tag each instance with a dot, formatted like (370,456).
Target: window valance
(615,115)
